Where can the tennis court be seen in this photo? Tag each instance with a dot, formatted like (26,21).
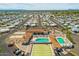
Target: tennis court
(41,50)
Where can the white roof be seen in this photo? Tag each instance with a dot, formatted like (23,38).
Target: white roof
(53,24)
(19,33)
(75,29)
(33,24)
(76,25)
(4,29)
(16,36)
(11,26)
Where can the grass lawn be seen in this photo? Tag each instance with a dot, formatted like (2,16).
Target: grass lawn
(41,50)
(2,49)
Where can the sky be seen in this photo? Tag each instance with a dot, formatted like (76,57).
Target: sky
(39,6)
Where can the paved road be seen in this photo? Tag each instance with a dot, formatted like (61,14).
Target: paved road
(75,38)
(4,45)
(9,51)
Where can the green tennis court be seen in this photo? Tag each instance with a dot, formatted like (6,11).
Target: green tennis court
(41,50)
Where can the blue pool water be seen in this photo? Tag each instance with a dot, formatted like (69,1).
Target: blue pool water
(42,40)
(60,40)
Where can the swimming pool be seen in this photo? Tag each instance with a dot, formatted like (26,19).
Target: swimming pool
(60,40)
(42,40)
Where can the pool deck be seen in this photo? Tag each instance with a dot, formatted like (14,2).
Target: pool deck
(34,38)
(36,49)
(54,42)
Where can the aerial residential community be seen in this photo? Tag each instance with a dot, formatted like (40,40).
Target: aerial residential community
(39,32)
